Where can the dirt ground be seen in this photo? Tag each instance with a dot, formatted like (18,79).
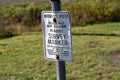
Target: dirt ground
(113,57)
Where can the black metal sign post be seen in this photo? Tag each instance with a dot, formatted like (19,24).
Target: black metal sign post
(60,65)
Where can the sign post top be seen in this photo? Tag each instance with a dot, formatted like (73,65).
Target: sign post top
(55,5)
(55,0)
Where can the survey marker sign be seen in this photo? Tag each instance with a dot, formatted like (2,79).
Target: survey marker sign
(57,35)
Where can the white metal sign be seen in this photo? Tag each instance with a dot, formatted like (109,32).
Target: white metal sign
(57,35)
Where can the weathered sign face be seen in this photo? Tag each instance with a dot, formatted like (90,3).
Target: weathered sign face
(57,35)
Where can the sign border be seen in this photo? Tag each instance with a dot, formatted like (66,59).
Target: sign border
(43,29)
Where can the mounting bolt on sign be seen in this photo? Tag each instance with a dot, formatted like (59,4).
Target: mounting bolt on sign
(56,26)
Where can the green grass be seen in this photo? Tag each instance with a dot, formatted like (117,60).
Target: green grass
(22,57)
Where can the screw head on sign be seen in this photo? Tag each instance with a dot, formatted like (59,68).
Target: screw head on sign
(54,20)
(57,57)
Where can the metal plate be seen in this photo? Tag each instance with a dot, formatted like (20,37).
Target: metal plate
(57,35)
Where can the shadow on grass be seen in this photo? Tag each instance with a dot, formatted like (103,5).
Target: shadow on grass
(96,34)
(4,35)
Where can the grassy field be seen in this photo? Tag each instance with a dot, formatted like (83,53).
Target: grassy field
(22,57)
